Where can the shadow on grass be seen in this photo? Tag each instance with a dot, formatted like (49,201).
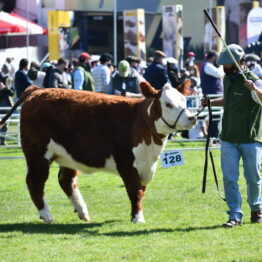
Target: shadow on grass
(36,228)
(157,230)
(90,229)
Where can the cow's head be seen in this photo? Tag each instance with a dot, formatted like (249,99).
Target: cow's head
(168,107)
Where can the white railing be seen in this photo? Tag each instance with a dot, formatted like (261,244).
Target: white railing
(12,136)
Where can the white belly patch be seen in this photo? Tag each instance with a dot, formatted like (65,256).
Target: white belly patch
(146,158)
(64,159)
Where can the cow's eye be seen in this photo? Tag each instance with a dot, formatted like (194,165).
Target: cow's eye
(169,105)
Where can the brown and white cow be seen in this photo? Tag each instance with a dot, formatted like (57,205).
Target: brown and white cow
(87,131)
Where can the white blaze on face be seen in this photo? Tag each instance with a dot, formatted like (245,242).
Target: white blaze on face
(172,103)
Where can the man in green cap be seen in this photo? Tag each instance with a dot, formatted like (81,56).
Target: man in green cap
(125,81)
(241,135)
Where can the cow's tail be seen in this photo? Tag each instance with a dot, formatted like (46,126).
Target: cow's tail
(25,94)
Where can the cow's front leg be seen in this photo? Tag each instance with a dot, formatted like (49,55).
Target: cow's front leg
(68,182)
(137,211)
(135,192)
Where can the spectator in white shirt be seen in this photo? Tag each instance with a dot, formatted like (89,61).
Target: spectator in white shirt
(211,83)
(211,75)
(10,61)
(101,73)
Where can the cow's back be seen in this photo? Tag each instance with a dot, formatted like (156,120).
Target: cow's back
(90,126)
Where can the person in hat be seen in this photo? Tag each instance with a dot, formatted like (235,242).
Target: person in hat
(46,67)
(102,74)
(173,72)
(156,73)
(125,81)
(241,135)
(82,79)
(191,66)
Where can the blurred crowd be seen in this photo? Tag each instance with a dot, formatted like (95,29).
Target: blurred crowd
(98,74)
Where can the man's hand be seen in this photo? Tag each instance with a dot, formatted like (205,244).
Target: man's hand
(214,102)
(2,86)
(250,84)
(204,102)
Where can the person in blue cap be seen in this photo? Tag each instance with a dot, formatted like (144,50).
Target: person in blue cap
(241,135)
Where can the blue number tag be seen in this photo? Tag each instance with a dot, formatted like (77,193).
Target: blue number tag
(171,158)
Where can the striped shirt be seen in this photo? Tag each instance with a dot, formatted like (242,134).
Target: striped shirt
(101,76)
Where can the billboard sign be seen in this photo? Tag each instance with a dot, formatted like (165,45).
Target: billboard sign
(134,33)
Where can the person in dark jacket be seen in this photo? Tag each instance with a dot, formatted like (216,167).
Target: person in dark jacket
(6,91)
(156,73)
(57,78)
(21,80)
(46,67)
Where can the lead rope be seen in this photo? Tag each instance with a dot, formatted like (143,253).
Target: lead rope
(210,154)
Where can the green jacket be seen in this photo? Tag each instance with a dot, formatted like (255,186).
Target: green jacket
(242,117)
(89,83)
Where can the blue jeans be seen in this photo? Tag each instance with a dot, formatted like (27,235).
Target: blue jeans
(230,156)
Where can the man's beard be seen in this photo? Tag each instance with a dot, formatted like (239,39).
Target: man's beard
(231,70)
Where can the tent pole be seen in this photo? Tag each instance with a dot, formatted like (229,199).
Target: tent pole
(27,29)
(210,33)
(115,32)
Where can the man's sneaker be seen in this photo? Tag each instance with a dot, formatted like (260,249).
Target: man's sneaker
(256,216)
(232,223)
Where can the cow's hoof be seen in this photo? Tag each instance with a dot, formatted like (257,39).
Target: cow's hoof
(48,220)
(84,217)
(139,218)
(46,215)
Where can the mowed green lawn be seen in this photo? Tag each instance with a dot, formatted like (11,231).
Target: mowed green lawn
(182,224)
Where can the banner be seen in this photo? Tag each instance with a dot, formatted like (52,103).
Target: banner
(254,25)
(59,23)
(221,25)
(179,35)
(244,9)
(169,30)
(211,40)
(134,33)
(172,25)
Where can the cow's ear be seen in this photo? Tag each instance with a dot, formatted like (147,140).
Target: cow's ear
(184,88)
(147,90)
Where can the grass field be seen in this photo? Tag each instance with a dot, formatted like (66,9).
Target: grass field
(182,224)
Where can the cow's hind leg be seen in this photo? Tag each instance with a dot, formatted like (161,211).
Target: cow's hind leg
(135,192)
(68,181)
(38,170)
